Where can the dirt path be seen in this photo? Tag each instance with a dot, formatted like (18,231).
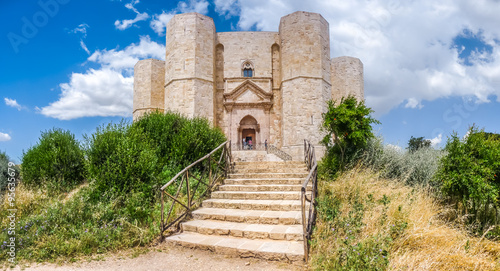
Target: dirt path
(165,258)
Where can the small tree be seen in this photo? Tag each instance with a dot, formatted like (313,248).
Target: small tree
(470,174)
(55,163)
(348,128)
(416,143)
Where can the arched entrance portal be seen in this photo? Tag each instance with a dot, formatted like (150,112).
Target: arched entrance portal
(249,130)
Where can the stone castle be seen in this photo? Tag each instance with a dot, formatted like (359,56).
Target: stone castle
(255,85)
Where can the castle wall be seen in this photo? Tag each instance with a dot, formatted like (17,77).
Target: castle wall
(189,65)
(347,78)
(253,46)
(148,87)
(305,75)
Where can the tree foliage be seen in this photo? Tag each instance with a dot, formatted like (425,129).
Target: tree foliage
(55,163)
(348,129)
(416,143)
(470,174)
(5,173)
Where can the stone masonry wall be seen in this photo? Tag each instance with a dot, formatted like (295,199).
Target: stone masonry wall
(305,86)
(189,65)
(253,46)
(347,78)
(149,80)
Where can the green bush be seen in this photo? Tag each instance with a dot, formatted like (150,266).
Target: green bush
(5,173)
(415,167)
(121,159)
(55,163)
(179,141)
(348,129)
(470,175)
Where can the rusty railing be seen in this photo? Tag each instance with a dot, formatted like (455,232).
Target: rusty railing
(194,183)
(309,216)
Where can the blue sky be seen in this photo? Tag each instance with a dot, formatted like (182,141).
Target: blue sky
(430,67)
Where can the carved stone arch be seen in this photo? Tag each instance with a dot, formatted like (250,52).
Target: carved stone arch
(247,68)
(249,128)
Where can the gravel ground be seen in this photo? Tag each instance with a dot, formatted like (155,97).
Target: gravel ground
(165,258)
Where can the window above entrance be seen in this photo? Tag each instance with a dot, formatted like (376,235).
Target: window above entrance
(247,69)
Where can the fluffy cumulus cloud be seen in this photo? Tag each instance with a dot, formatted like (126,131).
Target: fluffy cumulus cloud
(437,140)
(159,21)
(4,137)
(13,103)
(124,24)
(409,48)
(107,91)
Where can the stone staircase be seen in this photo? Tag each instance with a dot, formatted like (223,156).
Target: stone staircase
(255,213)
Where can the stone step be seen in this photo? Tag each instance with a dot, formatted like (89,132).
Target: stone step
(270,170)
(292,251)
(269,165)
(249,216)
(260,195)
(245,230)
(263,187)
(271,205)
(264,181)
(267,175)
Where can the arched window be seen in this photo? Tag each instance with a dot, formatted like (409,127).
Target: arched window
(247,69)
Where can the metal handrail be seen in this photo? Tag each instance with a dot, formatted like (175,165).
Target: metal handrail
(281,154)
(215,170)
(309,219)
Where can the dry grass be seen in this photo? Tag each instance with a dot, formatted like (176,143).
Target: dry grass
(427,242)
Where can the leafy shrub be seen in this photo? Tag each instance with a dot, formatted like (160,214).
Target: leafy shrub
(120,160)
(5,173)
(470,175)
(55,163)
(179,141)
(349,125)
(413,167)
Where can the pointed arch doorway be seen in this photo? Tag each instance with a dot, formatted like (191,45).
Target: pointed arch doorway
(249,130)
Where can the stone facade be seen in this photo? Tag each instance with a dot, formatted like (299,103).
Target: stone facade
(253,85)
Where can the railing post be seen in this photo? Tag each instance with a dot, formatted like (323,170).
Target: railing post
(304,226)
(210,169)
(162,224)
(188,192)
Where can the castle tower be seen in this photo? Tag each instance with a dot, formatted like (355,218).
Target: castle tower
(347,78)
(189,65)
(305,77)
(149,82)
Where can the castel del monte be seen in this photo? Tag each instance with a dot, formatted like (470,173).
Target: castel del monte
(255,86)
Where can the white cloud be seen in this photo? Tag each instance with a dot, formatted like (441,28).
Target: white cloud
(4,137)
(124,24)
(407,47)
(82,28)
(437,140)
(159,21)
(413,103)
(128,57)
(84,47)
(13,103)
(107,91)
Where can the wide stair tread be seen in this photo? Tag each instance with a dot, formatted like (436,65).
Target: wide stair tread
(261,181)
(262,187)
(242,247)
(245,230)
(249,216)
(249,204)
(260,195)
